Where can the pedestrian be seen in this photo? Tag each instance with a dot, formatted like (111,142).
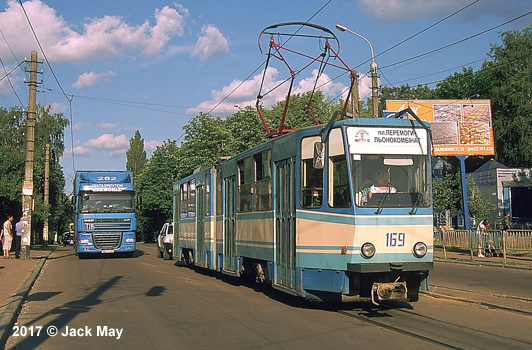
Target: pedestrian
(7,236)
(18,237)
(506,223)
(481,231)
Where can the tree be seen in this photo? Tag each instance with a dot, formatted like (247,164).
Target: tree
(136,155)
(49,129)
(447,194)
(510,72)
(206,140)
(155,185)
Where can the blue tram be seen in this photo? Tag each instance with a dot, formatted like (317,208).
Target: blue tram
(305,213)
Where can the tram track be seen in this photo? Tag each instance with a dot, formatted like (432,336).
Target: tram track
(434,330)
(368,319)
(489,300)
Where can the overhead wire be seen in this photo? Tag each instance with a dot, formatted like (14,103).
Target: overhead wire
(262,64)
(69,99)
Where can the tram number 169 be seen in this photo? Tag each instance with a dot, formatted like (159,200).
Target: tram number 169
(395,239)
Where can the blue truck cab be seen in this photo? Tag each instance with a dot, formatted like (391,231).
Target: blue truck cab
(104,208)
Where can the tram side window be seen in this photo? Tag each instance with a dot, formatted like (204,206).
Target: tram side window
(311,178)
(219,198)
(339,182)
(184,198)
(207,194)
(244,185)
(176,198)
(191,202)
(339,194)
(263,181)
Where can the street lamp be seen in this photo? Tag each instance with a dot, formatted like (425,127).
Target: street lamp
(373,68)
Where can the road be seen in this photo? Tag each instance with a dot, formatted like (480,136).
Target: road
(144,302)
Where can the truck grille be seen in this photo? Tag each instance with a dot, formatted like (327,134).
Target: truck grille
(112,224)
(107,240)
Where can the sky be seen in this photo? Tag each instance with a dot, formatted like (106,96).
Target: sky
(114,67)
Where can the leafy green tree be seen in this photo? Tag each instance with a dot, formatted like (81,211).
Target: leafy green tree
(447,194)
(403,92)
(245,130)
(11,162)
(298,115)
(136,155)
(206,139)
(510,73)
(155,188)
(49,129)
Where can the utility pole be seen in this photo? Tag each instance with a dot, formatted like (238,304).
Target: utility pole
(27,188)
(354,93)
(374,88)
(46,194)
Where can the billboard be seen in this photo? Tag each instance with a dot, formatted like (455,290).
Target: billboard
(459,127)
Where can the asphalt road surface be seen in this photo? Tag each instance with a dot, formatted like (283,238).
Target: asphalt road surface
(148,303)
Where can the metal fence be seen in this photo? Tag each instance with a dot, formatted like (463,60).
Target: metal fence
(492,242)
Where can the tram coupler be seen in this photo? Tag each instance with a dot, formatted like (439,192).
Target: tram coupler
(394,291)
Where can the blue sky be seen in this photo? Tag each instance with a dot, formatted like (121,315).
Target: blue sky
(152,65)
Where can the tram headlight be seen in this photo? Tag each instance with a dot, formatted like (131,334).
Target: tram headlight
(420,249)
(367,250)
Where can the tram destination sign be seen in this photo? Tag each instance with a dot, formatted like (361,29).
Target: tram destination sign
(387,140)
(459,127)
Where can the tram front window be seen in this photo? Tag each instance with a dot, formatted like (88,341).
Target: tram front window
(391,180)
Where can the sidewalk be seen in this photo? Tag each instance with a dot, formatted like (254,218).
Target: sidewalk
(522,262)
(16,279)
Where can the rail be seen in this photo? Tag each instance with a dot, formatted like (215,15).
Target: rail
(493,243)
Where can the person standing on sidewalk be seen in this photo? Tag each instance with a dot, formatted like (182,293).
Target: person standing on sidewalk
(18,237)
(481,231)
(7,236)
(506,223)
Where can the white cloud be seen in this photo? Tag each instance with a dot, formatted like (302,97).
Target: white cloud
(92,78)
(108,142)
(246,92)
(211,43)
(78,151)
(78,126)
(101,38)
(150,146)
(118,153)
(107,125)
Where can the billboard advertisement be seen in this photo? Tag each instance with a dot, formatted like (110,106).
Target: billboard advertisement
(459,127)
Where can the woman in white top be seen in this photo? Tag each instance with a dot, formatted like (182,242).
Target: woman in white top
(7,237)
(381,184)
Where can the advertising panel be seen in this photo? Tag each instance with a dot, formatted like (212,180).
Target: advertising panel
(459,127)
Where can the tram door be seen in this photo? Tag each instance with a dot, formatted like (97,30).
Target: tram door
(229,224)
(200,222)
(285,224)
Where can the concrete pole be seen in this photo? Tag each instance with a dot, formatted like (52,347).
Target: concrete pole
(27,189)
(354,94)
(374,89)
(46,194)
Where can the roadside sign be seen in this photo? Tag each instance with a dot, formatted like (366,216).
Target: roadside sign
(459,127)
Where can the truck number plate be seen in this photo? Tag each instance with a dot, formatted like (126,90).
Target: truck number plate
(106,251)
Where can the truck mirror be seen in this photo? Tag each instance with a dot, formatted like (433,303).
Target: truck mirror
(319,155)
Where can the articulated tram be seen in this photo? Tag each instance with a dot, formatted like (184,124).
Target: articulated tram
(303,212)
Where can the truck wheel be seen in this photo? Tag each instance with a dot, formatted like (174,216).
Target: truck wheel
(159,253)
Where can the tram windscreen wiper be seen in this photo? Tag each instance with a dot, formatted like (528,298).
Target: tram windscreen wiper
(416,203)
(383,198)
